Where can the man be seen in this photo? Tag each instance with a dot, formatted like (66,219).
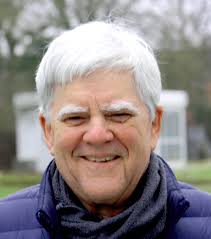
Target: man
(99,86)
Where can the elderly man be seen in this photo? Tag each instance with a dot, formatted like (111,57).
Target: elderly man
(99,86)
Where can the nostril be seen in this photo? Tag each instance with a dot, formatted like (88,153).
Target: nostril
(98,135)
(110,136)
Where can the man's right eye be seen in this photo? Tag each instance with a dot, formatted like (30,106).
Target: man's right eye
(74,120)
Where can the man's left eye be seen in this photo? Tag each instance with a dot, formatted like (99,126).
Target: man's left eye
(119,117)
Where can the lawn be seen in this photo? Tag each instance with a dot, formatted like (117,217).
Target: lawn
(6,190)
(11,182)
(196,173)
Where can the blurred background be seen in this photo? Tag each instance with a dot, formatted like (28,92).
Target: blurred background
(178,30)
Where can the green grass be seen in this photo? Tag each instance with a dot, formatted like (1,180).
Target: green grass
(11,182)
(19,179)
(196,173)
(6,190)
(203,187)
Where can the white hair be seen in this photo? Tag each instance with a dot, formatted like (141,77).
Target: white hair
(96,45)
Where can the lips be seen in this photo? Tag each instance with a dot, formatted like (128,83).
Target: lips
(100,159)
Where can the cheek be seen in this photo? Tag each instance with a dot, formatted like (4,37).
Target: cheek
(66,139)
(130,135)
(135,139)
(138,152)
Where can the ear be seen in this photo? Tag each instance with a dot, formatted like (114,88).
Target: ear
(156,127)
(47,133)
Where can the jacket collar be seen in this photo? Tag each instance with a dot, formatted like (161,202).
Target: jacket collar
(177,204)
(46,213)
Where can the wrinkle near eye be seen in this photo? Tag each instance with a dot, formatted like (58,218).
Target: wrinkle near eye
(74,120)
(120,107)
(119,117)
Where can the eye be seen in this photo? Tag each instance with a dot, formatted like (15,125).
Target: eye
(119,117)
(74,120)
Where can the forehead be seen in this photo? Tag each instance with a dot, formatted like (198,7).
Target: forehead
(103,90)
(100,87)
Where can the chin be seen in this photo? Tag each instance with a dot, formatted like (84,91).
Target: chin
(107,196)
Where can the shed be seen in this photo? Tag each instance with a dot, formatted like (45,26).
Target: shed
(31,149)
(172,144)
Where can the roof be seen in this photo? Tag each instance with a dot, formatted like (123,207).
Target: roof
(174,98)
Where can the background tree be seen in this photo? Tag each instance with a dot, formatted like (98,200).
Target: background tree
(186,53)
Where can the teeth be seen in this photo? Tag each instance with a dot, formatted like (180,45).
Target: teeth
(104,159)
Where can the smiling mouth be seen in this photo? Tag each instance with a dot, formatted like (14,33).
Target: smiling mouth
(101,159)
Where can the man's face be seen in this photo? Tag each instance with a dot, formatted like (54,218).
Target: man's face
(101,136)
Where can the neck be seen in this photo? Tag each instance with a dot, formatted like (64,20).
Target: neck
(104,211)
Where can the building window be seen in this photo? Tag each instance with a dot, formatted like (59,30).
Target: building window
(172,143)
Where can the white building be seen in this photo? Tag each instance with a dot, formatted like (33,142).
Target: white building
(30,146)
(172,144)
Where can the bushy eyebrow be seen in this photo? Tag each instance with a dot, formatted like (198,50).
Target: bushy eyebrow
(116,106)
(121,105)
(71,109)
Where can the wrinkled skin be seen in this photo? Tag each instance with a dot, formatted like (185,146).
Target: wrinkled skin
(82,141)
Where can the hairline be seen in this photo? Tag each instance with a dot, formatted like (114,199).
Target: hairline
(146,93)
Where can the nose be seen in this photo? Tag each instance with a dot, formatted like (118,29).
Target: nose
(98,133)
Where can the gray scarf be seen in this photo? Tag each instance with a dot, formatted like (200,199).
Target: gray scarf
(144,218)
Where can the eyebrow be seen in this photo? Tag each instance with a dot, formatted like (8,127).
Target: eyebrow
(121,105)
(116,106)
(71,109)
